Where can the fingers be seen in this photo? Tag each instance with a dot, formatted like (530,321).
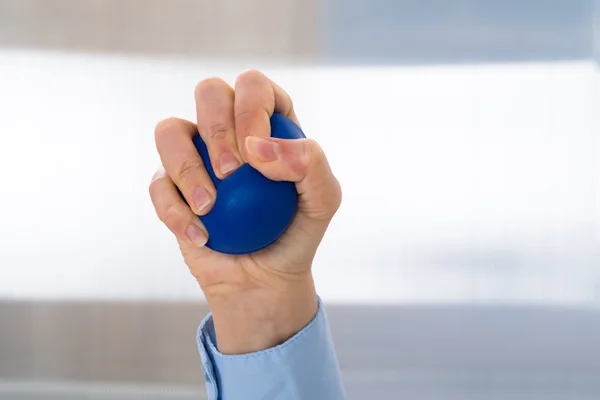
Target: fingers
(301,161)
(256,98)
(214,111)
(174,213)
(183,164)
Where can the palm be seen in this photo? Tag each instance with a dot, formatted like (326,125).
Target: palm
(282,257)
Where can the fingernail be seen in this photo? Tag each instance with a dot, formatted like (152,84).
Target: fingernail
(160,173)
(201,199)
(263,149)
(227,163)
(300,150)
(196,233)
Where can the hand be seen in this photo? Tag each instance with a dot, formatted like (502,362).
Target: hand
(258,300)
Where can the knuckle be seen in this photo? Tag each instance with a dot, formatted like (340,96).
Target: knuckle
(316,153)
(288,102)
(331,198)
(159,174)
(166,127)
(314,146)
(337,195)
(208,85)
(153,189)
(242,116)
(219,130)
(284,98)
(247,119)
(188,168)
(251,77)
(170,216)
(328,184)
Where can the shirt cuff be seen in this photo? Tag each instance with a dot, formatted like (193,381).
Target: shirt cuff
(304,367)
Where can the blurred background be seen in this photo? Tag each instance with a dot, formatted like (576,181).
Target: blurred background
(464,263)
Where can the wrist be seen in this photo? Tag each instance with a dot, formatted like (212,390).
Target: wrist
(262,317)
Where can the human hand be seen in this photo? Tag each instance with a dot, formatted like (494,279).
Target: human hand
(261,299)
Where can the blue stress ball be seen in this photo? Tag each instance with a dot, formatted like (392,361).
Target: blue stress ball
(250,211)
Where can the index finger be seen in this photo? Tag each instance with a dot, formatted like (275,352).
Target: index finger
(256,99)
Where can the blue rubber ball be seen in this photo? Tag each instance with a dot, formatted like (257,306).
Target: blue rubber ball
(250,211)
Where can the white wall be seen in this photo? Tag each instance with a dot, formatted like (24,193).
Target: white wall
(462,183)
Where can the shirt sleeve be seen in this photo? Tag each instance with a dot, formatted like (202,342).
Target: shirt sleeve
(303,368)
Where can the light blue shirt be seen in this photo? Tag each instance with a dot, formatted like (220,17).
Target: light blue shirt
(303,368)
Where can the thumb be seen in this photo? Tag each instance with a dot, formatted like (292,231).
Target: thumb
(303,162)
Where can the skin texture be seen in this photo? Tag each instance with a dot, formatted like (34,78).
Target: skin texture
(261,299)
